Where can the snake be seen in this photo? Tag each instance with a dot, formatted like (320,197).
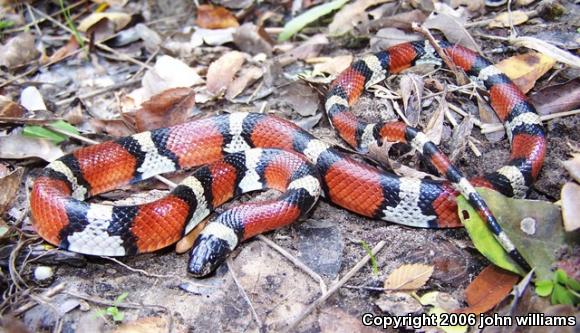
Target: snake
(240,152)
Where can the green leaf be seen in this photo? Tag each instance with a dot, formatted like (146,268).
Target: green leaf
(560,295)
(573,284)
(309,16)
(373,259)
(560,276)
(483,238)
(535,227)
(121,298)
(544,287)
(112,310)
(5,24)
(119,316)
(41,132)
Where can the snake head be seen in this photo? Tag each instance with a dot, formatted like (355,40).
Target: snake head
(208,252)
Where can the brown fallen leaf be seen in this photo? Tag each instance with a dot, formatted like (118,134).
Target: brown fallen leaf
(557,98)
(120,20)
(570,206)
(170,107)
(221,72)
(489,288)
(253,39)
(333,66)
(114,127)
(487,115)
(412,87)
(525,69)
(350,16)
(247,77)
(453,29)
(8,108)
(400,21)
(434,128)
(63,52)
(17,146)
(212,17)
(387,37)
(573,166)
(409,277)
(9,185)
(505,20)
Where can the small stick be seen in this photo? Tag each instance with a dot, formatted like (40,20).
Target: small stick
(243,292)
(97,44)
(295,261)
(335,287)
(488,128)
(98,92)
(49,293)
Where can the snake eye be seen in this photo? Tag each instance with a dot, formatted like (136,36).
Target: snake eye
(207,254)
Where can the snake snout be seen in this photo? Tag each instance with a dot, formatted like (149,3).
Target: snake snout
(207,254)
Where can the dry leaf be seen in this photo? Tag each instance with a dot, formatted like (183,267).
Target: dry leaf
(18,50)
(388,37)
(453,29)
(525,69)
(573,166)
(31,99)
(8,108)
(402,20)
(489,288)
(16,146)
(434,128)
(167,72)
(547,49)
(63,52)
(9,185)
(570,206)
(222,71)
(505,20)
(350,16)
(212,17)
(557,98)
(409,277)
(459,138)
(253,39)
(168,108)
(333,66)
(488,116)
(412,87)
(115,127)
(119,20)
(246,78)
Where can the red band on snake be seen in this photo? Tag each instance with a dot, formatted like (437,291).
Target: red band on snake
(226,142)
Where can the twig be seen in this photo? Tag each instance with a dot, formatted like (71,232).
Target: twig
(36,22)
(459,75)
(49,293)
(137,270)
(97,44)
(295,261)
(489,128)
(97,92)
(243,292)
(335,287)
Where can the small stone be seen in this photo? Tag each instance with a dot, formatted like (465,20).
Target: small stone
(42,273)
(528,225)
